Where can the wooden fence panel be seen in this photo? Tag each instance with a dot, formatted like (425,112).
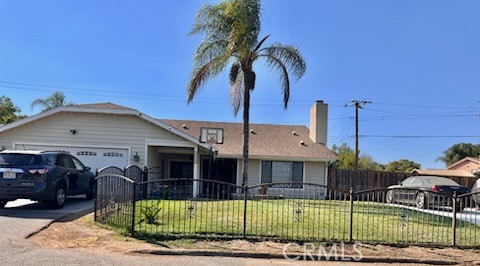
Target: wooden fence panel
(364,179)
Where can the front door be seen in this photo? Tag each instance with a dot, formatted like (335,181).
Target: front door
(182,189)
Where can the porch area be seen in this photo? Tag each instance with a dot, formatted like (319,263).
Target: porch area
(187,162)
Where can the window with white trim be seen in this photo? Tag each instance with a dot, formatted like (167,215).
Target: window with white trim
(277,171)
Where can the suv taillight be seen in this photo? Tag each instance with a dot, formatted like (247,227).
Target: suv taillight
(435,188)
(40,171)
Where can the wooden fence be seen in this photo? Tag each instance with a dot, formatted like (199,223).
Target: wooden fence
(364,179)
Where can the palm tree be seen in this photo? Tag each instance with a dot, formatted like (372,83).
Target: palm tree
(57,99)
(459,151)
(231,29)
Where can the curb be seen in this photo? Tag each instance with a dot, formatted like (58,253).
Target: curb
(64,218)
(259,255)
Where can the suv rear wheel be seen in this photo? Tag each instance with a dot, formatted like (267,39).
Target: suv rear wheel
(59,197)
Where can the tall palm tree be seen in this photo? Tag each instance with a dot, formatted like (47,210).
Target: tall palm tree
(231,29)
(57,99)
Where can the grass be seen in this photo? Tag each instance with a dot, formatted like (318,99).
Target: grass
(297,220)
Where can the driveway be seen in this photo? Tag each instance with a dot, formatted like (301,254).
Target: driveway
(470,215)
(21,218)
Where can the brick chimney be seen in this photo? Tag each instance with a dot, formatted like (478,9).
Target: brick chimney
(319,122)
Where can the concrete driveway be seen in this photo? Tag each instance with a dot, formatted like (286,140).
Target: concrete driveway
(21,218)
(470,215)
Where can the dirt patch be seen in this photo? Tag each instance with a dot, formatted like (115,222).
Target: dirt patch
(84,234)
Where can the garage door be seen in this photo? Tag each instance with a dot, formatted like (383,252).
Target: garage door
(94,158)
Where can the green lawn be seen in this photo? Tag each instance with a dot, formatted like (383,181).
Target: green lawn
(290,219)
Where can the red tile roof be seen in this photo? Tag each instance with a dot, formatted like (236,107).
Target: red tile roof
(267,141)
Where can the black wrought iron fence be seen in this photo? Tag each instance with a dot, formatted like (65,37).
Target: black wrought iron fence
(115,201)
(288,211)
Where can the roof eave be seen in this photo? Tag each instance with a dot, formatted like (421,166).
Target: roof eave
(278,158)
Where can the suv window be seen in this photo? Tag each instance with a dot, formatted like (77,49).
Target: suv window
(78,165)
(49,159)
(65,161)
(20,159)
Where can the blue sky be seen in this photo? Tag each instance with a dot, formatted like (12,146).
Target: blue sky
(417,61)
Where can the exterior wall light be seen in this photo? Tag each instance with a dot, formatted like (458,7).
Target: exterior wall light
(136,157)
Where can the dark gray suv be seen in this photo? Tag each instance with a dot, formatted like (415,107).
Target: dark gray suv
(48,176)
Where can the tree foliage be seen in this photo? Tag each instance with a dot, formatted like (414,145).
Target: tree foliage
(458,152)
(231,31)
(403,165)
(57,99)
(8,111)
(346,159)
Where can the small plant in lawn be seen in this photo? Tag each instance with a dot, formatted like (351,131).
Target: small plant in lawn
(148,214)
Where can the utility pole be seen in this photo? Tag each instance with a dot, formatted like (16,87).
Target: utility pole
(358,104)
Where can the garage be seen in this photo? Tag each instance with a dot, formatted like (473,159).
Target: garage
(93,157)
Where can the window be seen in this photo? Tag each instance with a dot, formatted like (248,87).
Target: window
(416,182)
(49,159)
(65,161)
(78,165)
(86,153)
(13,159)
(275,172)
(113,154)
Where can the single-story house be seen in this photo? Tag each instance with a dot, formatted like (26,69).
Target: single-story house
(467,164)
(463,171)
(109,134)
(466,167)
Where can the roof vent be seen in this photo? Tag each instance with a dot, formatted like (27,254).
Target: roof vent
(253,132)
(302,143)
(294,133)
(184,126)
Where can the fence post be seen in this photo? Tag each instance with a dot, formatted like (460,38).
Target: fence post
(350,229)
(95,187)
(244,210)
(454,218)
(132,230)
(145,179)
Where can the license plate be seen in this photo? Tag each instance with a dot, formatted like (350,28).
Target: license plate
(9,175)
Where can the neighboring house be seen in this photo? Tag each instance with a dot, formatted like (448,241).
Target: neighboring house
(462,171)
(466,167)
(109,134)
(467,164)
